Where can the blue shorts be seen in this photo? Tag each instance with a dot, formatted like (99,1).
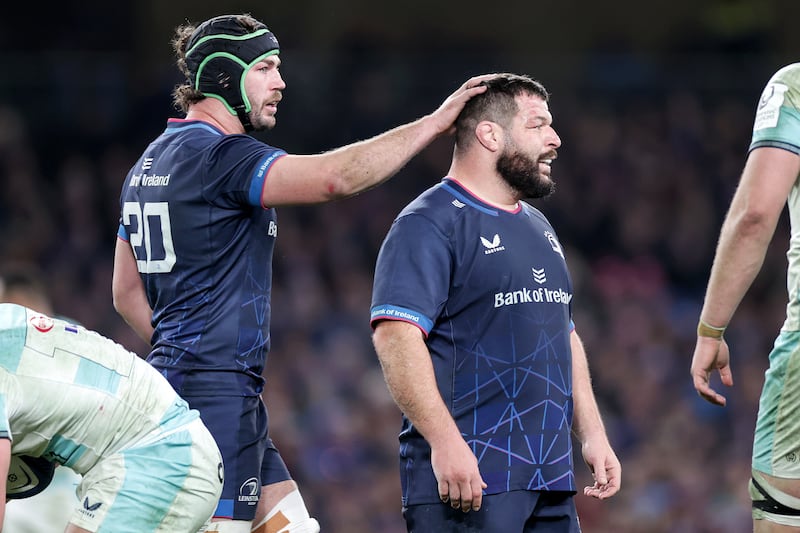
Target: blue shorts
(519,511)
(239,425)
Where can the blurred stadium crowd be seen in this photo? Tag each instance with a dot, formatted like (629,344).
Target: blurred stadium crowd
(650,158)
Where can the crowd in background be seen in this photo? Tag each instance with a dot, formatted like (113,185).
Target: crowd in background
(644,176)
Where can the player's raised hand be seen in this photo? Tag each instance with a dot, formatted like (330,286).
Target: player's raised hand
(447,113)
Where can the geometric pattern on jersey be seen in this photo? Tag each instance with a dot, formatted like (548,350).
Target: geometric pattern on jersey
(491,292)
(538,368)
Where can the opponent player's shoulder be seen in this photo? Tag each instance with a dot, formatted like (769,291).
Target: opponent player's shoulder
(777,119)
(12,317)
(788,75)
(782,90)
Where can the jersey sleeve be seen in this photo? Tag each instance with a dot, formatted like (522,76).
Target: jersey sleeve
(777,121)
(237,168)
(412,274)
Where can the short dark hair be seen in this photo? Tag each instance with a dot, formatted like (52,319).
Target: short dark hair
(20,276)
(498,104)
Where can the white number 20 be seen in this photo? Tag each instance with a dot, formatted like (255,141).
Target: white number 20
(143,236)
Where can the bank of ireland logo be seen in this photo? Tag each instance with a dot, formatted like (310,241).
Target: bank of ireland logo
(248,492)
(554,244)
(492,246)
(539,276)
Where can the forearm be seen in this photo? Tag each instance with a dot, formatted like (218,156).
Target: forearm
(740,254)
(346,171)
(409,375)
(368,163)
(587,422)
(767,179)
(127,292)
(137,314)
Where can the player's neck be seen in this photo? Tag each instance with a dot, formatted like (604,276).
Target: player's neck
(214,112)
(485,185)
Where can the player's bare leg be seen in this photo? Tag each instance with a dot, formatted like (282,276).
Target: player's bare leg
(281,509)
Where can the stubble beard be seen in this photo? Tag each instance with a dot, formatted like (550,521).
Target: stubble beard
(260,123)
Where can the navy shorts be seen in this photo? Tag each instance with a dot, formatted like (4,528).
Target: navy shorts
(519,511)
(239,425)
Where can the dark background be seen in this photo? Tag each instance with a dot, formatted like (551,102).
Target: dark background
(654,102)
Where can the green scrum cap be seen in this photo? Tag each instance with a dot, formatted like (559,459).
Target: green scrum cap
(218,55)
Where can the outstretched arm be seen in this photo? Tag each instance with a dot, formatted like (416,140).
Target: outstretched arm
(409,374)
(748,228)
(128,294)
(346,171)
(589,428)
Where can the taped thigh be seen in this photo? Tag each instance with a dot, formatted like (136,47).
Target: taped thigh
(772,504)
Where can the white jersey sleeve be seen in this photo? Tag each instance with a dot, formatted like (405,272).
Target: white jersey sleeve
(72,396)
(777,125)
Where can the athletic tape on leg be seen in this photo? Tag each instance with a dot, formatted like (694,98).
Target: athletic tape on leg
(772,504)
(289,515)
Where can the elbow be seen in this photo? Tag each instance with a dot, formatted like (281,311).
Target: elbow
(755,223)
(342,179)
(121,300)
(118,302)
(337,187)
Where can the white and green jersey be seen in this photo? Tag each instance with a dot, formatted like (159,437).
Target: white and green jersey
(777,124)
(74,397)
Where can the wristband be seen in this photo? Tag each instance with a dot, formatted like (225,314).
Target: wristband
(707,330)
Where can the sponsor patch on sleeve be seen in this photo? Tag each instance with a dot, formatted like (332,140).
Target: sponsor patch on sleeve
(769,106)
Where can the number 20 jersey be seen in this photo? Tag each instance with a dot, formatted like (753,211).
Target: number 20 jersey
(191,211)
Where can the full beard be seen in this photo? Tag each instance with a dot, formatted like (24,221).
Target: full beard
(521,173)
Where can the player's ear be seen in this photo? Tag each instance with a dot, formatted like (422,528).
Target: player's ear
(489,134)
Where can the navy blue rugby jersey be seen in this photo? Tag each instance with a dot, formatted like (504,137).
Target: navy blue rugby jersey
(191,210)
(491,292)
